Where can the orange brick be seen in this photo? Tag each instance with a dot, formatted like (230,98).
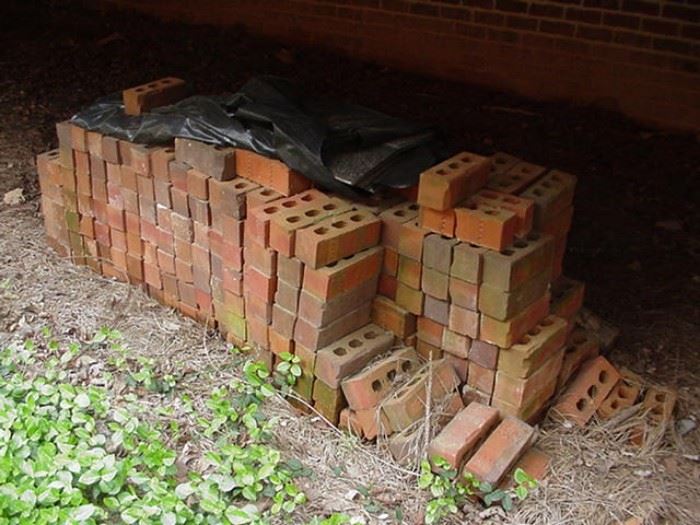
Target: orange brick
(505,333)
(486,226)
(392,219)
(261,195)
(622,396)
(216,161)
(444,185)
(464,321)
(500,451)
(330,281)
(411,240)
(587,391)
(258,219)
(513,266)
(270,173)
(313,338)
(410,272)
(390,264)
(580,347)
(387,286)
(524,209)
(515,179)
(390,316)
(162,92)
(520,392)
(533,349)
(409,298)
(320,312)
(441,222)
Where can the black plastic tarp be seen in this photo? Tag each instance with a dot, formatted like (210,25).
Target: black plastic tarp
(342,147)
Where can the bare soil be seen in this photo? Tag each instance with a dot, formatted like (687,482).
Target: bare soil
(635,241)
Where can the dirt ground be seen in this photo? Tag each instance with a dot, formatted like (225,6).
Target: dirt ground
(635,242)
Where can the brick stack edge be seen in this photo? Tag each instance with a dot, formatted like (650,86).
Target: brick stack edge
(458,296)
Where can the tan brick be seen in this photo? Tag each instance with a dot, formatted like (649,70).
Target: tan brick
(444,185)
(534,348)
(509,268)
(506,333)
(467,262)
(464,322)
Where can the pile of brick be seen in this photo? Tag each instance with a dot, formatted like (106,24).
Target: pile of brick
(398,309)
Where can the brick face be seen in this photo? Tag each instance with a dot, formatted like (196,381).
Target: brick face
(552,48)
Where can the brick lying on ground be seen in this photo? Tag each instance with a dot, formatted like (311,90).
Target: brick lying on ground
(245,244)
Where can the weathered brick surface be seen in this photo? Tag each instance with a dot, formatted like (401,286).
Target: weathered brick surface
(480,378)
(524,209)
(500,451)
(409,272)
(509,268)
(551,194)
(534,348)
(587,391)
(217,162)
(321,313)
(540,385)
(366,388)
(467,262)
(390,316)
(456,344)
(623,395)
(506,333)
(450,182)
(462,434)
(392,219)
(162,92)
(315,338)
(580,347)
(516,178)
(270,173)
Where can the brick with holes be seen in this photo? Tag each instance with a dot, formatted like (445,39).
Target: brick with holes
(622,396)
(408,403)
(258,219)
(506,333)
(580,347)
(444,185)
(462,434)
(515,179)
(552,194)
(334,238)
(502,162)
(230,197)
(587,391)
(162,92)
(350,354)
(524,209)
(516,264)
(530,352)
(367,387)
(519,391)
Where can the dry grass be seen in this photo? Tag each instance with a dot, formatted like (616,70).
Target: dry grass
(596,477)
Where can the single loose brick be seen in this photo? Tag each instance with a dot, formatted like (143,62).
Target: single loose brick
(580,347)
(623,395)
(500,451)
(462,434)
(444,185)
(163,92)
(587,391)
(485,226)
(409,402)
(350,354)
(366,388)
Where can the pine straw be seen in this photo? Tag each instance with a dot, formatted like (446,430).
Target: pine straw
(596,477)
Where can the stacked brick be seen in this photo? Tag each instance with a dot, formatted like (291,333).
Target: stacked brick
(456,298)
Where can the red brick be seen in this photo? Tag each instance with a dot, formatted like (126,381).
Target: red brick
(390,316)
(258,222)
(78,137)
(314,338)
(368,387)
(437,310)
(387,286)
(279,343)
(390,264)
(290,230)
(443,186)
(463,321)
(330,281)
(257,332)
(323,312)
(230,197)
(283,321)
(438,252)
(162,92)
(463,434)
(427,351)
(350,354)
(262,259)
(533,462)
(261,195)
(408,403)
(486,226)
(141,160)
(460,366)
(270,173)
(622,396)
(198,184)
(587,391)
(287,296)
(500,451)
(110,149)
(430,331)
(178,174)
(463,293)
(200,211)
(335,238)
(480,378)
(409,298)
(258,307)
(435,283)
(160,163)
(456,344)
(567,298)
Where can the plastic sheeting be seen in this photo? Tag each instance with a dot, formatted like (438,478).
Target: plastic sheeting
(345,148)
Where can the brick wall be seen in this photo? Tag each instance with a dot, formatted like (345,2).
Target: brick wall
(639,57)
